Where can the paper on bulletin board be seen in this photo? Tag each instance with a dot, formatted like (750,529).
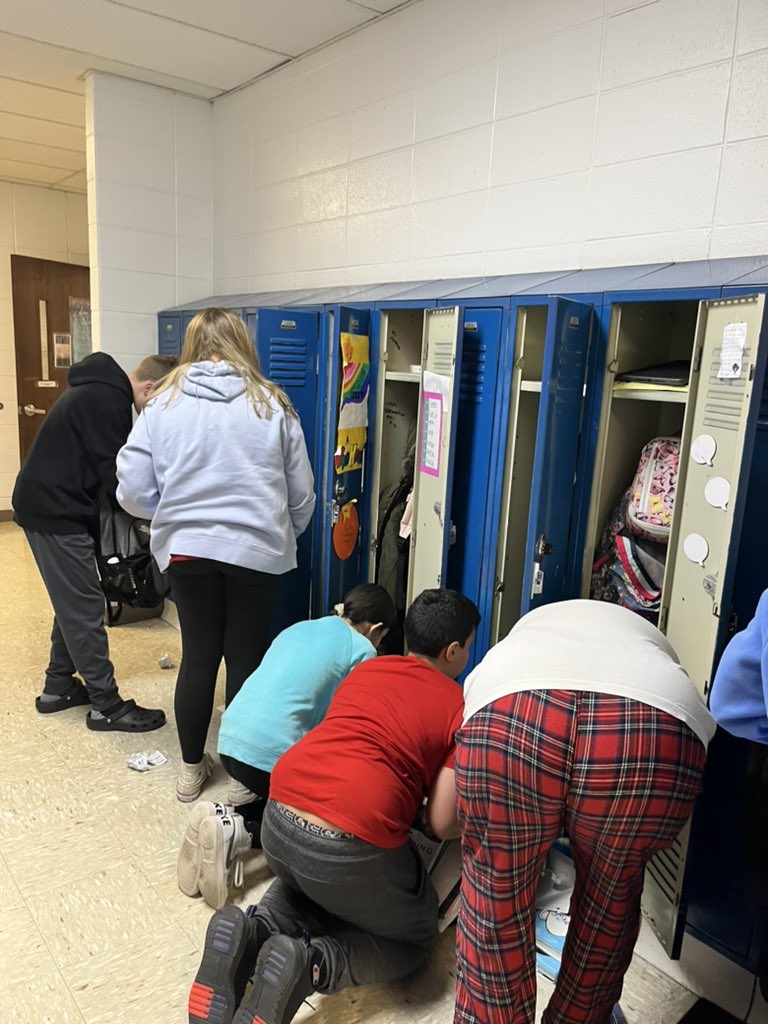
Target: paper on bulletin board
(732,351)
(353,410)
(434,399)
(80,328)
(62,351)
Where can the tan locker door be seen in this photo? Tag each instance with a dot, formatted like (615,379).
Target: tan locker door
(434,457)
(693,594)
(718,409)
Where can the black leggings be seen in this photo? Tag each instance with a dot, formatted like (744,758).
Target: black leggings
(224,612)
(257,781)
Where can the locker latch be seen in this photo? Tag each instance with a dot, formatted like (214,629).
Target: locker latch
(537,583)
(335,511)
(543,547)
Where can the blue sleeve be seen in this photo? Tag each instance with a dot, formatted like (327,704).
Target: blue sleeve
(739,698)
(137,489)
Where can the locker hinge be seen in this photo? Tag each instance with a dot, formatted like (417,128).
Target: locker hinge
(696,360)
(519,363)
(663,615)
(613,366)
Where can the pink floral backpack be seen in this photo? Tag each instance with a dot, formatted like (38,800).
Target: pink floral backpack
(652,494)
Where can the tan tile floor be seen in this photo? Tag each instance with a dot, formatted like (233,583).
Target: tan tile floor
(93,929)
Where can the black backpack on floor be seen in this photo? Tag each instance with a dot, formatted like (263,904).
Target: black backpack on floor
(129,574)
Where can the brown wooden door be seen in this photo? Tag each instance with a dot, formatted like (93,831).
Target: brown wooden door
(47,297)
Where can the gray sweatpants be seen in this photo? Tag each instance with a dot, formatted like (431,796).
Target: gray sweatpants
(67,563)
(371,912)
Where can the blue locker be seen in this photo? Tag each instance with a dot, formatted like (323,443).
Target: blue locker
(341,495)
(569,329)
(468,558)
(288,344)
(170,334)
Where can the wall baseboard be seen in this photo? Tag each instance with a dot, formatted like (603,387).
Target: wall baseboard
(6,515)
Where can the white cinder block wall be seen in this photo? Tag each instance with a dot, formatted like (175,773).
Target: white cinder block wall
(149,208)
(49,225)
(493,136)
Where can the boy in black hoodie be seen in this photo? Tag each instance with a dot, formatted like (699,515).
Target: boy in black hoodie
(56,502)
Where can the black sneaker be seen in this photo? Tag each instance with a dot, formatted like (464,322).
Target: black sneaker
(287,971)
(220,983)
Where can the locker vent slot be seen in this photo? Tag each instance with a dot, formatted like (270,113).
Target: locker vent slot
(665,868)
(442,357)
(472,384)
(288,363)
(725,398)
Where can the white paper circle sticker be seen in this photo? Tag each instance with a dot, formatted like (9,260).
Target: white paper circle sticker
(696,548)
(717,492)
(703,449)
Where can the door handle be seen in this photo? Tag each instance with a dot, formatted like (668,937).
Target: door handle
(30,410)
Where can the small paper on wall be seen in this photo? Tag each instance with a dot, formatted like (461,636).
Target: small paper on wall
(434,398)
(732,350)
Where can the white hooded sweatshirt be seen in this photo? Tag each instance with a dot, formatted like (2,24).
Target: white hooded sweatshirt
(216,479)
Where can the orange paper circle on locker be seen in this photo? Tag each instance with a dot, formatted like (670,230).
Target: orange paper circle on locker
(345,531)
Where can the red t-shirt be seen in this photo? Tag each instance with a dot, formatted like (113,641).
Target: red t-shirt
(367,766)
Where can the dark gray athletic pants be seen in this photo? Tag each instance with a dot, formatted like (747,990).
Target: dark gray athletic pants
(67,563)
(371,912)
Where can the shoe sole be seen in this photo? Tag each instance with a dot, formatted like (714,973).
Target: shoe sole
(212,997)
(188,862)
(212,880)
(270,1003)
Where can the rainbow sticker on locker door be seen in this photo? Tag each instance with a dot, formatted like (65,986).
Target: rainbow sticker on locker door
(717,492)
(703,449)
(696,548)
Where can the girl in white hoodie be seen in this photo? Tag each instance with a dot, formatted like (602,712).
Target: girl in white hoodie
(218,462)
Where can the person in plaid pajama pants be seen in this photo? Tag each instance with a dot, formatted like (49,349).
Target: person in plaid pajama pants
(581,722)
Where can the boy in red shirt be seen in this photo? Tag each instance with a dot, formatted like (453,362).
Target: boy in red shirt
(352,903)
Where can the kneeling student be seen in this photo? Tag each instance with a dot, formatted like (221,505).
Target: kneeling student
(352,903)
(286,696)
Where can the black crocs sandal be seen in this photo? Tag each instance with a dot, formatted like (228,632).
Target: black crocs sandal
(77,697)
(127,717)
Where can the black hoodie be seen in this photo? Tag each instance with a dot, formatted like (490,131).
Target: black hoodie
(72,459)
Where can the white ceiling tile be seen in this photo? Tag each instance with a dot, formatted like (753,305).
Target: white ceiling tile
(140,40)
(193,47)
(15,170)
(290,27)
(31,153)
(46,133)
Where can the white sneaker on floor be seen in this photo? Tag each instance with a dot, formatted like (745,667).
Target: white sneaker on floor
(191,779)
(188,863)
(238,794)
(223,841)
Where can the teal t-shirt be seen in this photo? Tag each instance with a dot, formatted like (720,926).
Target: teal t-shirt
(290,691)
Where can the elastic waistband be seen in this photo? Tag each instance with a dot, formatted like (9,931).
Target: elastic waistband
(310,826)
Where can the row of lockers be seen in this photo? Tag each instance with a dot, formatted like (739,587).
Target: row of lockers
(506,389)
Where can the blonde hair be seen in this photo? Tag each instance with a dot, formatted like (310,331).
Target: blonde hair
(222,333)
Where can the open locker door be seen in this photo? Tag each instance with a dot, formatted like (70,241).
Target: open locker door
(435,436)
(341,493)
(564,370)
(287,343)
(717,443)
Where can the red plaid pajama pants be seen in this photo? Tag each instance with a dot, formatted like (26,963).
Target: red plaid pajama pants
(620,778)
